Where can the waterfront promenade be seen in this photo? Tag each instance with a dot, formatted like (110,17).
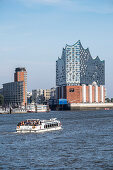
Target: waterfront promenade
(91,106)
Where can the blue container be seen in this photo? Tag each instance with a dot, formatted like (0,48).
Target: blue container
(62,101)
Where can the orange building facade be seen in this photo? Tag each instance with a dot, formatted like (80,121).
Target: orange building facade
(21,75)
(82,94)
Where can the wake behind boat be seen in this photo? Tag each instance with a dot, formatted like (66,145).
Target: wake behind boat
(36,125)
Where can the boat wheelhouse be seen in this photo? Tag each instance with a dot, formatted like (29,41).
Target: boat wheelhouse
(37,125)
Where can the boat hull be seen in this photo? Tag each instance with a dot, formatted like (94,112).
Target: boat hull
(20,130)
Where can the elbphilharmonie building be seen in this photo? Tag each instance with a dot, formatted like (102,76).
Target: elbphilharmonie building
(77,68)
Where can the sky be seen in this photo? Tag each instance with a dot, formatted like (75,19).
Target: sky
(33,33)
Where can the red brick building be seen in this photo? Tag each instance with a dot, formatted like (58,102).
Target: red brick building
(82,94)
(21,75)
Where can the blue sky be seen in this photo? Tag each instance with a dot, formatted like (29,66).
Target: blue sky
(33,33)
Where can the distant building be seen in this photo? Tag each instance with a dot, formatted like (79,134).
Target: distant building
(53,93)
(21,75)
(13,93)
(37,96)
(47,94)
(76,70)
(29,97)
(34,96)
(1,91)
(41,96)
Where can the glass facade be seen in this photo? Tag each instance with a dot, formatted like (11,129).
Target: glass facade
(13,93)
(76,67)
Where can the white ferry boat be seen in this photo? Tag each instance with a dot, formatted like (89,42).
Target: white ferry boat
(35,108)
(42,108)
(36,125)
(31,107)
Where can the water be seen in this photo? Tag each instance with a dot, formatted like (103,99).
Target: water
(86,142)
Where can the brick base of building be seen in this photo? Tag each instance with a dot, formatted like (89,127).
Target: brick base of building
(77,94)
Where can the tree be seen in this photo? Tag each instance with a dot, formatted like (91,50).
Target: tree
(112,100)
(107,100)
(1,100)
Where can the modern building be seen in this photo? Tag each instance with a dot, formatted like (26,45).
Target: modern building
(13,93)
(77,71)
(21,75)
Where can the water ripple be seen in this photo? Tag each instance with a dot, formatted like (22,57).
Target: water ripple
(85,142)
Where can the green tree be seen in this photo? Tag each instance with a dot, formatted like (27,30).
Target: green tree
(112,100)
(1,100)
(107,100)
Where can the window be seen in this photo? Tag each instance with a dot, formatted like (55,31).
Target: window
(71,90)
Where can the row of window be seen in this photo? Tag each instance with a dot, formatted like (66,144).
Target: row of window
(50,125)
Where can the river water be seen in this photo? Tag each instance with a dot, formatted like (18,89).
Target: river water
(85,142)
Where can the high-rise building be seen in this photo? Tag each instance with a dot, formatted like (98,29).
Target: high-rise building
(21,75)
(76,68)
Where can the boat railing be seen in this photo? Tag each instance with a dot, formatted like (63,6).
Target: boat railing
(53,119)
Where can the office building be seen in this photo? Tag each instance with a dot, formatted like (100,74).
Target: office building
(13,93)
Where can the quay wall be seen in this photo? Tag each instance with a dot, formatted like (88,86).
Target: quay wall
(91,106)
